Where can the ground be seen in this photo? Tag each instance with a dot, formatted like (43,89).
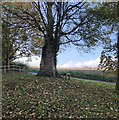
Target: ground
(30,97)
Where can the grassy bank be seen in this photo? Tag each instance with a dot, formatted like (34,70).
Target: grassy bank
(30,97)
(90,75)
(33,69)
(85,74)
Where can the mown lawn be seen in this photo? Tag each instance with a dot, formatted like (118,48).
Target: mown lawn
(30,97)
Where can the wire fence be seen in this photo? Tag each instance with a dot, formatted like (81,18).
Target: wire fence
(13,68)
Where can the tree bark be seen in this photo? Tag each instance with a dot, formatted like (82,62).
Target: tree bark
(48,65)
(48,61)
(56,49)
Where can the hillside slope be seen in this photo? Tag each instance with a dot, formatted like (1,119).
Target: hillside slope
(30,97)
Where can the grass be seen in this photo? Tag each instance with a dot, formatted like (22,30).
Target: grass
(30,97)
(85,74)
(90,75)
(33,69)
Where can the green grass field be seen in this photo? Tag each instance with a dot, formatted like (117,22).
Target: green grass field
(90,75)
(30,97)
(86,74)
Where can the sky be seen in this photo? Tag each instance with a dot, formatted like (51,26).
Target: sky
(70,58)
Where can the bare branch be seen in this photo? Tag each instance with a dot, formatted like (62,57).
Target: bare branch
(37,6)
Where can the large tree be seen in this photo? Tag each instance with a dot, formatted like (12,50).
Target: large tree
(59,23)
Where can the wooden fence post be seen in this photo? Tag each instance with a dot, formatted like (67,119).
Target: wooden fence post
(5,69)
(13,68)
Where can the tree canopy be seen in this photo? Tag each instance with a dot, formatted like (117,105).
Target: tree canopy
(59,24)
(109,54)
(17,38)
(108,14)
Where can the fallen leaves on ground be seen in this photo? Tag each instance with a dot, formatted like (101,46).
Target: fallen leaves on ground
(30,97)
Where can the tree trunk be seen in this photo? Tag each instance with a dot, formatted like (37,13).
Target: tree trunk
(50,48)
(47,65)
(117,83)
(7,63)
